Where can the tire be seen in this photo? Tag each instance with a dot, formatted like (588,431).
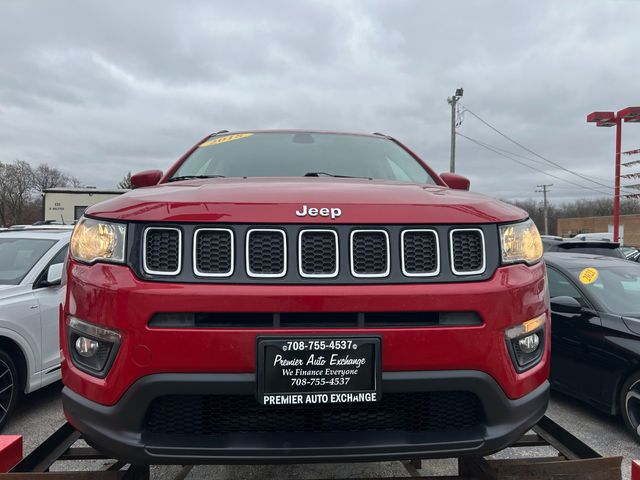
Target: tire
(9,387)
(630,404)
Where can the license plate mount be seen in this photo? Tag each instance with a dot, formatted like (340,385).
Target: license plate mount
(318,370)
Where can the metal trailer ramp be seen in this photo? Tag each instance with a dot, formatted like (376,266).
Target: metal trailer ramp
(574,461)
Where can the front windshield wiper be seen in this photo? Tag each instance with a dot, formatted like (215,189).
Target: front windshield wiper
(325,174)
(191,177)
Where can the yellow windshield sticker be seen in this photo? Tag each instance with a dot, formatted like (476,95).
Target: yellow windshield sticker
(588,275)
(226,138)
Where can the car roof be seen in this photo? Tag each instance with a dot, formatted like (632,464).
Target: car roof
(581,243)
(44,233)
(569,260)
(293,130)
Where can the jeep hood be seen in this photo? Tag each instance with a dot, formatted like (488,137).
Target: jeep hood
(275,200)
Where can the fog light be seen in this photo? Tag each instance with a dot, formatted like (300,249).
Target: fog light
(529,344)
(525,342)
(86,347)
(92,348)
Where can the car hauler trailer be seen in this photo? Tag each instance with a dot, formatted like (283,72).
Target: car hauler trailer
(574,460)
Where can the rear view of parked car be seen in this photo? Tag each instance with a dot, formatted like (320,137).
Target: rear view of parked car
(592,247)
(595,305)
(31,265)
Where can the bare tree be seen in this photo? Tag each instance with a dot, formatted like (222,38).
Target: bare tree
(74,182)
(46,177)
(16,187)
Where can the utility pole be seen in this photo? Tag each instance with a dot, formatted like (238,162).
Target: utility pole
(545,189)
(452,101)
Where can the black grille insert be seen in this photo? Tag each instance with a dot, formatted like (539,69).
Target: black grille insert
(266,252)
(213,252)
(223,414)
(467,247)
(162,251)
(420,252)
(318,254)
(314,319)
(370,253)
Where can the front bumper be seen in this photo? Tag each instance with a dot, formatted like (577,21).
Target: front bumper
(120,429)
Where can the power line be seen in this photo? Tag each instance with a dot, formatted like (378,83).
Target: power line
(551,162)
(494,150)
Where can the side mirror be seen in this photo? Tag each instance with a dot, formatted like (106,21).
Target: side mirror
(565,304)
(455,181)
(146,178)
(54,274)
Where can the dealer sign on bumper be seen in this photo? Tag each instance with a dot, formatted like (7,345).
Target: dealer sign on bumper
(312,370)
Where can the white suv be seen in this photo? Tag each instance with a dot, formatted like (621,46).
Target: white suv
(31,266)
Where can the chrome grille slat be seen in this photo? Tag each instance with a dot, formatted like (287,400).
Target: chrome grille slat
(467,246)
(370,255)
(318,254)
(213,252)
(162,250)
(420,252)
(266,253)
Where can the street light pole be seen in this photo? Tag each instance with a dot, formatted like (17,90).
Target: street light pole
(616,191)
(610,119)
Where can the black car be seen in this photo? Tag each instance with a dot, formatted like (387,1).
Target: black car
(595,344)
(595,247)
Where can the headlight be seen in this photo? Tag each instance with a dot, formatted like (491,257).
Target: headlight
(97,240)
(520,242)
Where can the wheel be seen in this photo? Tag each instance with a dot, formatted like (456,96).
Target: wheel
(630,404)
(8,387)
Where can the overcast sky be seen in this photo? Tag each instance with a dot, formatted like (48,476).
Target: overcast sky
(101,88)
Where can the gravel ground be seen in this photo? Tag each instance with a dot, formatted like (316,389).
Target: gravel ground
(40,414)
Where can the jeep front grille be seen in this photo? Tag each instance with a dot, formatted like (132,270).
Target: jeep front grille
(162,250)
(369,253)
(266,253)
(318,253)
(339,254)
(467,251)
(213,252)
(420,253)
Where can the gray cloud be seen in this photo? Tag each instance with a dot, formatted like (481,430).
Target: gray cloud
(98,89)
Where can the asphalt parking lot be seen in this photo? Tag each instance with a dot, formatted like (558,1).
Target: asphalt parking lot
(40,414)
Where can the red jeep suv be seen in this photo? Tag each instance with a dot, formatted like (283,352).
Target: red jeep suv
(303,296)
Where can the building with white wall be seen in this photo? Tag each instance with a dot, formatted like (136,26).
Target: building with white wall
(68,204)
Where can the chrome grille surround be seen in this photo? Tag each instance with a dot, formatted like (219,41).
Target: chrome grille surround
(144,251)
(337,254)
(199,273)
(452,251)
(248,255)
(403,255)
(352,256)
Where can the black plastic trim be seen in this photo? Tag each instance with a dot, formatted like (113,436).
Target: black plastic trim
(118,429)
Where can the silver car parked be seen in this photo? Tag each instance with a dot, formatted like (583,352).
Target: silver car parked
(31,266)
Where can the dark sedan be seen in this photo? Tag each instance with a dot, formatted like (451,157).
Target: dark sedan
(595,344)
(592,247)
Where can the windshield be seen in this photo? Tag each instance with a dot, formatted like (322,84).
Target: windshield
(18,256)
(300,154)
(616,287)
